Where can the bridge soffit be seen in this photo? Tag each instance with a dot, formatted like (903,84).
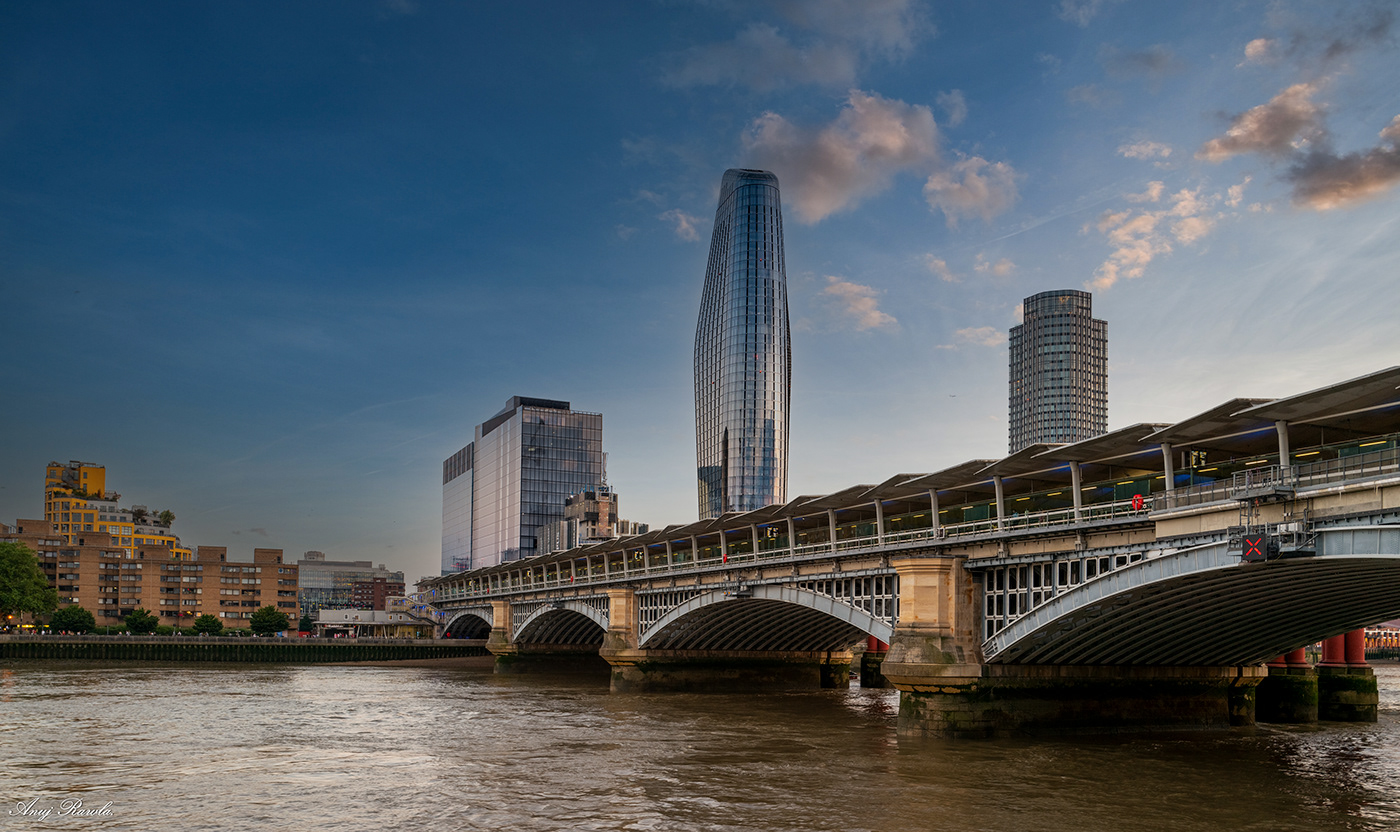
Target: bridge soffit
(526,613)
(484,612)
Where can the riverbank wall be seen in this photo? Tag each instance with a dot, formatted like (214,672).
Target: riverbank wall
(230,649)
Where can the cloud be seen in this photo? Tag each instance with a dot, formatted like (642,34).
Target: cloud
(1145,150)
(1080,12)
(1051,63)
(1291,126)
(831,168)
(1091,95)
(1155,62)
(1139,236)
(1000,268)
(258,532)
(1323,180)
(940,269)
(972,187)
(1277,128)
(1235,193)
(858,304)
(401,6)
(982,336)
(685,223)
(1152,194)
(834,37)
(624,232)
(953,105)
(1259,51)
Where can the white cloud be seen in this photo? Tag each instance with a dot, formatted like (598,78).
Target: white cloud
(624,232)
(953,105)
(940,269)
(1145,150)
(1152,194)
(1288,121)
(1000,268)
(1155,62)
(1259,50)
(684,223)
(1235,193)
(832,168)
(858,304)
(982,336)
(1138,236)
(972,187)
(1091,95)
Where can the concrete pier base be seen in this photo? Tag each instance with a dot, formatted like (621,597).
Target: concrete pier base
(870,675)
(1011,699)
(640,671)
(1347,694)
(1288,695)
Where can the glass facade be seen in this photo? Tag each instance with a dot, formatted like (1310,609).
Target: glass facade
(743,354)
(1059,371)
(514,478)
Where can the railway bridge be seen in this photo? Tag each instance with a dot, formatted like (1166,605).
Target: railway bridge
(1159,574)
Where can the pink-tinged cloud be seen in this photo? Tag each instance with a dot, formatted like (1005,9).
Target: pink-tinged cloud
(1277,128)
(973,187)
(1323,180)
(684,224)
(1138,236)
(857,304)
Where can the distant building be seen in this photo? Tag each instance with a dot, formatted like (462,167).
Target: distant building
(743,352)
(374,593)
(512,479)
(371,624)
(79,509)
(330,584)
(1059,371)
(589,516)
(111,581)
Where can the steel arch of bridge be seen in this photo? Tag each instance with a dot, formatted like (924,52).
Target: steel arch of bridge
(760,609)
(484,613)
(546,608)
(1204,606)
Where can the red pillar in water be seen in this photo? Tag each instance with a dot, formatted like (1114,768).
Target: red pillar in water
(1297,658)
(1355,648)
(1333,652)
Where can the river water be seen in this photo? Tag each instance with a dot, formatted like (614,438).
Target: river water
(196,747)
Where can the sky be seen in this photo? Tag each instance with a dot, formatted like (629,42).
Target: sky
(270,263)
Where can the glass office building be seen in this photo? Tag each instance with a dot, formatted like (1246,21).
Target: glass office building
(1059,370)
(514,478)
(743,354)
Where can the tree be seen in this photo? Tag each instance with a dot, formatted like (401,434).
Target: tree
(306,625)
(138,515)
(268,620)
(166,517)
(73,619)
(23,585)
(141,621)
(208,625)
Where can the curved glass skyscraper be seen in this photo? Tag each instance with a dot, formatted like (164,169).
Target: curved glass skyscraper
(743,355)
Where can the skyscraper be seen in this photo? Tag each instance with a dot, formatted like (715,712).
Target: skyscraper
(514,478)
(743,355)
(1059,370)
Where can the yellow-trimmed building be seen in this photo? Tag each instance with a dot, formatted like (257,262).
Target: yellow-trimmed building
(79,509)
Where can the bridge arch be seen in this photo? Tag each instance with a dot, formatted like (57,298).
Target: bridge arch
(763,618)
(571,622)
(471,623)
(1204,606)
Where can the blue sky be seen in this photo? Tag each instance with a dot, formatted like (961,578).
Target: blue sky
(271,262)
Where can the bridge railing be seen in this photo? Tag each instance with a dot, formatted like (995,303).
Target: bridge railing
(1301,475)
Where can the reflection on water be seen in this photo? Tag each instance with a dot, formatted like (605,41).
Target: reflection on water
(202,747)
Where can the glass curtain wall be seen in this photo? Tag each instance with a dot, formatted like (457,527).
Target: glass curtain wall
(743,354)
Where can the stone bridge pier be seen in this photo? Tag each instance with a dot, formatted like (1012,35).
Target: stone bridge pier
(947,689)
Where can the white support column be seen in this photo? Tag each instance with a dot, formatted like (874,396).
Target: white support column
(1001,502)
(1167,468)
(1283,455)
(753,528)
(670,557)
(831,526)
(1074,476)
(933,509)
(607,571)
(723,547)
(694,549)
(792,535)
(880,522)
(573,569)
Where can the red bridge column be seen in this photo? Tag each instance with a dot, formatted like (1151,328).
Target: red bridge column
(1346,686)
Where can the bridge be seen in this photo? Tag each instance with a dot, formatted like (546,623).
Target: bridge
(1141,577)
